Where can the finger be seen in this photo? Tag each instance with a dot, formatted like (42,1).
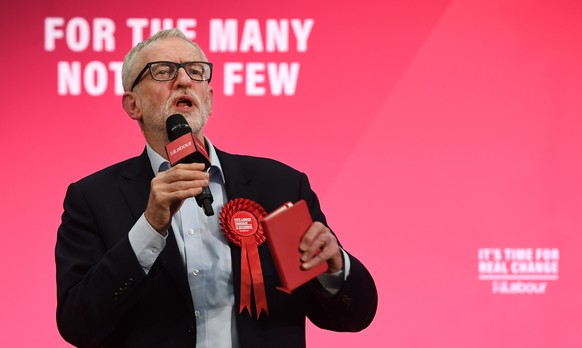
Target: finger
(311,235)
(323,250)
(313,244)
(180,178)
(195,171)
(190,166)
(178,187)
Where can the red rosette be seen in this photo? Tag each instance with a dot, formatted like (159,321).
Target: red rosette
(227,220)
(239,219)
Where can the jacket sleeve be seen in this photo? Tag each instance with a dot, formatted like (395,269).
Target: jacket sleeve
(94,279)
(353,308)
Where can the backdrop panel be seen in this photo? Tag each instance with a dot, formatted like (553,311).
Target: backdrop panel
(443,138)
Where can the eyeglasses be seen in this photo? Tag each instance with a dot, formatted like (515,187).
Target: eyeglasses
(166,71)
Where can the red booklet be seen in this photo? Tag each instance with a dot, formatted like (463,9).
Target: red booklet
(284,228)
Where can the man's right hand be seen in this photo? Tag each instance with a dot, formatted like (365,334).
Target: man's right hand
(169,189)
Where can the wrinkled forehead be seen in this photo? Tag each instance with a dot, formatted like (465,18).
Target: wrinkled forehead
(171,49)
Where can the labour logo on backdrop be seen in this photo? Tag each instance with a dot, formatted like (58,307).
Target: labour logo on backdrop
(519,270)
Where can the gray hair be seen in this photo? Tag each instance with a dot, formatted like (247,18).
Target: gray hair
(131,57)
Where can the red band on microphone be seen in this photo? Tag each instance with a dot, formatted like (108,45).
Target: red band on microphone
(184,146)
(200,147)
(180,148)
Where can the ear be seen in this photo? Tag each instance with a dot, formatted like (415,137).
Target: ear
(130,105)
(210,99)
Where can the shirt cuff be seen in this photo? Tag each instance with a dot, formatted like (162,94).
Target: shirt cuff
(334,281)
(147,244)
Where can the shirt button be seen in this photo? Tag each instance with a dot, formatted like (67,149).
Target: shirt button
(196,313)
(195,272)
(190,231)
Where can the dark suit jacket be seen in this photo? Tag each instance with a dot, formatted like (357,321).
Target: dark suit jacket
(106,300)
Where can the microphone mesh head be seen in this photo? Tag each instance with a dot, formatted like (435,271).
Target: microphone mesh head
(176,126)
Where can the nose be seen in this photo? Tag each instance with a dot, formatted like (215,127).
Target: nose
(182,79)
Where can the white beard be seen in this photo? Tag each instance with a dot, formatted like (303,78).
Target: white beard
(196,118)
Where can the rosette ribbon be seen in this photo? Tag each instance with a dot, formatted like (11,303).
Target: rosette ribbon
(239,220)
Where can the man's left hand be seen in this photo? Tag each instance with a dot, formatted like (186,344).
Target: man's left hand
(319,245)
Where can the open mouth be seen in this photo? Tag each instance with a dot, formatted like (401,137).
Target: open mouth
(184,103)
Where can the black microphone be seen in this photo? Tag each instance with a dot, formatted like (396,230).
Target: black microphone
(186,148)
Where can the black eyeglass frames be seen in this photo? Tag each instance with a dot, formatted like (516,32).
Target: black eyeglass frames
(166,71)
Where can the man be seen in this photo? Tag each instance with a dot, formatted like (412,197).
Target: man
(140,265)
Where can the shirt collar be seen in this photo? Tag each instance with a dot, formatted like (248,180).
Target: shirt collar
(215,168)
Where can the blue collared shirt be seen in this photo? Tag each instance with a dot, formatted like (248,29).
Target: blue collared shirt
(206,256)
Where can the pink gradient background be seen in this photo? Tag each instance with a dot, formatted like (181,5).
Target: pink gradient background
(429,129)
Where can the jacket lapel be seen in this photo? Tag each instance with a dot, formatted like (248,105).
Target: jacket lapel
(236,178)
(135,185)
